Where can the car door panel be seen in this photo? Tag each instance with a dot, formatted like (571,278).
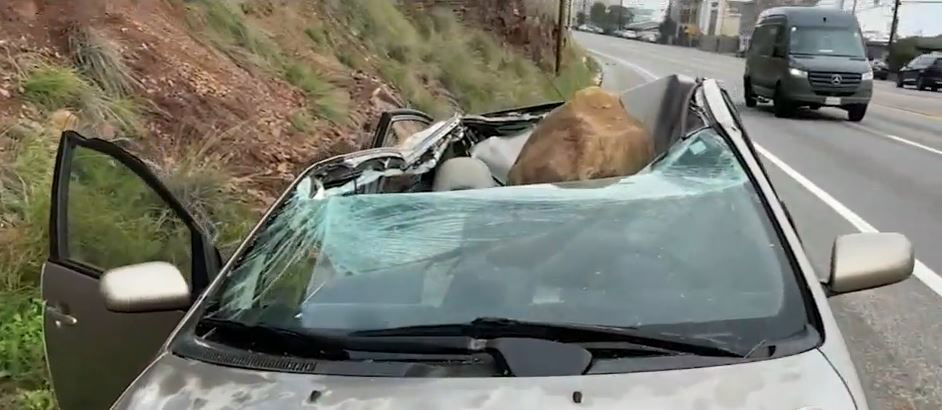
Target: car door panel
(108,210)
(95,339)
(765,76)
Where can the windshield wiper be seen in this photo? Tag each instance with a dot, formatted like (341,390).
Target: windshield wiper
(333,345)
(486,328)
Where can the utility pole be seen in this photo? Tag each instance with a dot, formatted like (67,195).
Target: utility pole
(854,9)
(621,9)
(560,34)
(893,28)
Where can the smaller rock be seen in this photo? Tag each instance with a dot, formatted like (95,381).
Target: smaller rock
(63,120)
(4,93)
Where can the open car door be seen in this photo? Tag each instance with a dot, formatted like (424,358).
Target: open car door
(394,126)
(109,210)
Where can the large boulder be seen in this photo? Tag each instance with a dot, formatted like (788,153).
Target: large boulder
(591,136)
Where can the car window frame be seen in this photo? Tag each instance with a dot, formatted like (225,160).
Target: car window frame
(205,259)
(760,40)
(776,212)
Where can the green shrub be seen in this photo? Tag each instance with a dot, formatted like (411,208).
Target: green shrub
(248,45)
(427,49)
(350,57)
(23,382)
(101,61)
(25,185)
(54,87)
(39,399)
(203,188)
(301,122)
(318,34)
(21,348)
(325,100)
(228,30)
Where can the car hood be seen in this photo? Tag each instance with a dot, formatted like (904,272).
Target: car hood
(804,381)
(830,64)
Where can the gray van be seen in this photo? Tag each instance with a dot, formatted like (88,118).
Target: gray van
(811,57)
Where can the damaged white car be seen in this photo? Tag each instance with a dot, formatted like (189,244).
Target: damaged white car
(413,276)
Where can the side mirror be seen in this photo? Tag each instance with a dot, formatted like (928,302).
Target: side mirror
(869,260)
(777,51)
(145,287)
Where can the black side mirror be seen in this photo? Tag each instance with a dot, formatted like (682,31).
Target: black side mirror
(778,51)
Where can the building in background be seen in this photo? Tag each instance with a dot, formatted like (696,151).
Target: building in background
(720,18)
(720,24)
(686,13)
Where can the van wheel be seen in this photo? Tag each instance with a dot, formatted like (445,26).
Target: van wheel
(781,106)
(856,112)
(750,96)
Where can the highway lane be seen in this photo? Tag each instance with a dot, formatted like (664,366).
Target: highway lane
(837,177)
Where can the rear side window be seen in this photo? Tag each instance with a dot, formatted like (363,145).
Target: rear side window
(922,62)
(108,200)
(763,39)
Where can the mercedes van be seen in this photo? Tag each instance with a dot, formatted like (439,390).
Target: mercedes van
(808,57)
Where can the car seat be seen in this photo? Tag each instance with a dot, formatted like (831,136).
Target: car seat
(461,173)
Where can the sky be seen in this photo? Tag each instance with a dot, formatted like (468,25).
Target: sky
(915,19)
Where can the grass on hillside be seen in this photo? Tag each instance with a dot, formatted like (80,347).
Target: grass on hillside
(255,50)
(112,224)
(98,59)
(25,179)
(322,96)
(53,87)
(435,48)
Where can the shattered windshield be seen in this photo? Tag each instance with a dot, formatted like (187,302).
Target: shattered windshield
(685,244)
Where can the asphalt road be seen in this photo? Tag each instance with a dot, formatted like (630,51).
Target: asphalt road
(837,177)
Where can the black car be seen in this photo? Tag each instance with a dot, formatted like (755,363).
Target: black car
(924,72)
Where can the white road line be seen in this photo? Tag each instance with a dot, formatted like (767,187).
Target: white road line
(895,138)
(915,144)
(922,272)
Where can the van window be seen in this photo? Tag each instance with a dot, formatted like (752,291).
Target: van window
(779,34)
(762,41)
(843,41)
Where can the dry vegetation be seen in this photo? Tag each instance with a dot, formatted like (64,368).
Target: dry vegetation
(226,100)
